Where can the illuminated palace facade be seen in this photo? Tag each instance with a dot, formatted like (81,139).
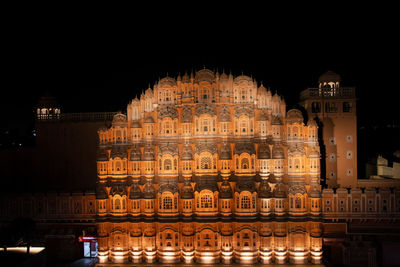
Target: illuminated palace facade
(209,168)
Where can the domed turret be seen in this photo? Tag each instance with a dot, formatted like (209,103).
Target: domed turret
(148,154)
(148,191)
(280,191)
(149,119)
(264,151)
(47,108)
(135,124)
(135,154)
(313,154)
(277,152)
(135,192)
(101,192)
(187,153)
(225,152)
(102,155)
(187,190)
(118,152)
(119,120)
(264,191)
(276,120)
(225,190)
(314,192)
(294,116)
(329,76)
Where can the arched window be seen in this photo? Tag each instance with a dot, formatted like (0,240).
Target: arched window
(245,203)
(298,202)
(244,164)
(205,163)
(243,94)
(206,201)
(117,204)
(167,164)
(167,127)
(167,203)
(118,165)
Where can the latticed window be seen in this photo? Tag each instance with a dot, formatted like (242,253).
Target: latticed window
(245,164)
(243,126)
(206,201)
(117,204)
(167,203)
(298,202)
(167,164)
(245,204)
(167,127)
(205,163)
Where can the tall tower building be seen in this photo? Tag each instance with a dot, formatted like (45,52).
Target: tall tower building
(334,107)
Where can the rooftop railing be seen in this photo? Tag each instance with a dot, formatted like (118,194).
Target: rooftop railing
(348,92)
(78,117)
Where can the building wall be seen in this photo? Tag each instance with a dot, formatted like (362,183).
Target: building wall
(335,108)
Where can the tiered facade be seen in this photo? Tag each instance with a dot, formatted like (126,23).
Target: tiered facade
(209,168)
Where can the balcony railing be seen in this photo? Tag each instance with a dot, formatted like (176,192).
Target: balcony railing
(347,92)
(78,117)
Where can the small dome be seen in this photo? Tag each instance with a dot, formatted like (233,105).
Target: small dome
(149,119)
(314,192)
(223,76)
(329,76)
(224,114)
(276,121)
(167,81)
(264,151)
(277,152)
(185,78)
(244,147)
(297,189)
(262,117)
(225,191)
(206,182)
(148,191)
(118,152)
(101,192)
(187,153)
(280,191)
(119,119)
(262,89)
(118,189)
(242,78)
(102,129)
(312,122)
(187,191)
(47,101)
(264,191)
(135,192)
(135,124)
(168,187)
(313,154)
(135,154)
(148,154)
(102,155)
(225,152)
(245,184)
(296,149)
(205,75)
(294,115)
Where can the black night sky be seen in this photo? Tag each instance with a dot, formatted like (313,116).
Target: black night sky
(100,66)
